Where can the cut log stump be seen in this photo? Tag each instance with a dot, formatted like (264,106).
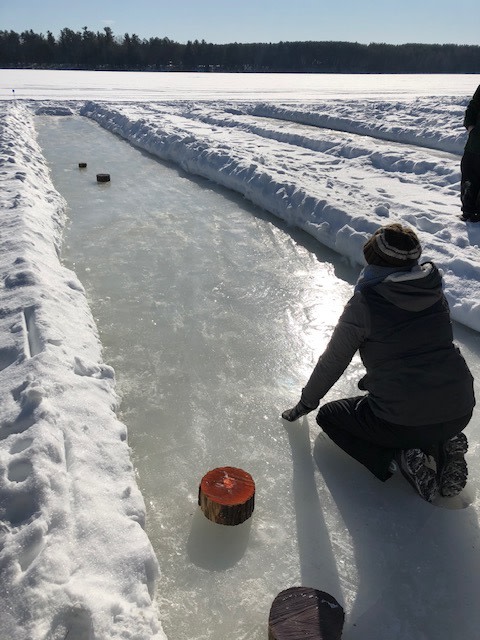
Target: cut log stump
(227,495)
(303,612)
(103,177)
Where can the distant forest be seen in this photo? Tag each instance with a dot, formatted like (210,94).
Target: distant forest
(104,51)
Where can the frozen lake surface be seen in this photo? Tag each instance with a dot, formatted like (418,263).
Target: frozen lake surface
(212,314)
(137,86)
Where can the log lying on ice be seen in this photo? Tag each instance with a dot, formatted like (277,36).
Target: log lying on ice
(303,612)
(227,495)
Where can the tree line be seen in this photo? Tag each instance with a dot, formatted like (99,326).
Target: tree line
(103,50)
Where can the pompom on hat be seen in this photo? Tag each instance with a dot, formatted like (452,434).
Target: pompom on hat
(393,246)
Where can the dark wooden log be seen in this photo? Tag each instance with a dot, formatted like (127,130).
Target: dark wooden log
(226,495)
(306,613)
(103,177)
(82,165)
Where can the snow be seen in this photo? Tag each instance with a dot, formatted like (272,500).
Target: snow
(64,456)
(75,558)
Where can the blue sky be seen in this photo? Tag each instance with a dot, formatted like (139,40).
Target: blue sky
(221,21)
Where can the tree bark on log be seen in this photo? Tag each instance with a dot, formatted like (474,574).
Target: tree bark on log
(227,495)
(303,612)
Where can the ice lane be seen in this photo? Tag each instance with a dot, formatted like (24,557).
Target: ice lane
(212,314)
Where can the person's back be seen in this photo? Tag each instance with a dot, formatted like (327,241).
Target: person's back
(414,373)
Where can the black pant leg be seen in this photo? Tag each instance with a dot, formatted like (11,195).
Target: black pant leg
(350,425)
(470,183)
(373,442)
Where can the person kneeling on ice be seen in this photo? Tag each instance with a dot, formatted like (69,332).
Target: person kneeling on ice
(419,389)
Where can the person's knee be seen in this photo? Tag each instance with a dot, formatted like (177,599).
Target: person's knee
(336,413)
(321,416)
(330,410)
(327,417)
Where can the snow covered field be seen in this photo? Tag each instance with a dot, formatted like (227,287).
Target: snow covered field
(334,164)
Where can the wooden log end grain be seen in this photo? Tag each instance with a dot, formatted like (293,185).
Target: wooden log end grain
(227,495)
(303,612)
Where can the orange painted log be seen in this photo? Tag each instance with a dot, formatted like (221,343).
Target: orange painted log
(303,612)
(227,495)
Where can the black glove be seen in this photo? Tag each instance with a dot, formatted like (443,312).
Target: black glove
(298,411)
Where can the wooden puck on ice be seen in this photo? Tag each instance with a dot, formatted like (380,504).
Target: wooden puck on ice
(82,165)
(303,612)
(103,177)
(227,495)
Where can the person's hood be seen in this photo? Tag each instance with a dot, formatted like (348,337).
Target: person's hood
(413,290)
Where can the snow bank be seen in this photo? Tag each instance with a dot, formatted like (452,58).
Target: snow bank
(435,123)
(74,556)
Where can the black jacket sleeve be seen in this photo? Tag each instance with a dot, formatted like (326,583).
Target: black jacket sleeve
(473,110)
(349,334)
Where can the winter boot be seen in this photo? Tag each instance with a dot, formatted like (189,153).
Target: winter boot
(413,465)
(453,470)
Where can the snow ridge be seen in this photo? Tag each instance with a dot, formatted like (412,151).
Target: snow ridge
(61,574)
(398,121)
